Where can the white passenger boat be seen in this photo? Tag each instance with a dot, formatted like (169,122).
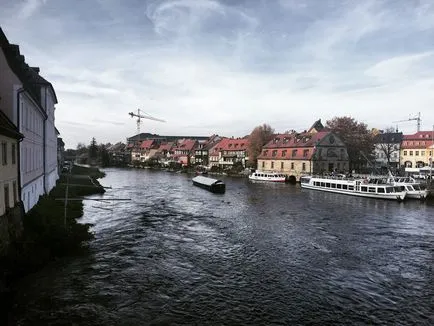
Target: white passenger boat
(413,188)
(354,187)
(267,176)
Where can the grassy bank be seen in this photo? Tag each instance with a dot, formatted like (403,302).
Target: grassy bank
(48,233)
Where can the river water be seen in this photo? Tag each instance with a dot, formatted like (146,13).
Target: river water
(261,254)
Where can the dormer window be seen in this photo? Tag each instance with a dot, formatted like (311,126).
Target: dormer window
(285,140)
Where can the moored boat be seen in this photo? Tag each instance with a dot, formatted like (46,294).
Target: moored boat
(267,176)
(354,187)
(210,184)
(413,188)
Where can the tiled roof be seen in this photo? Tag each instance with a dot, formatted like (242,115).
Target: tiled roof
(147,144)
(233,144)
(420,135)
(166,147)
(7,128)
(287,154)
(29,76)
(186,145)
(296,140)
(388,138)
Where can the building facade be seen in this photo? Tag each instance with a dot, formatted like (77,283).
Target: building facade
(297,154)
(29,103)
(415,148)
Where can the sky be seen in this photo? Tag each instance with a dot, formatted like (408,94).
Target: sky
(225,66)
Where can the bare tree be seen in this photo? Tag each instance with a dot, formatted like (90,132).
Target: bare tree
(387,144)
(257,139)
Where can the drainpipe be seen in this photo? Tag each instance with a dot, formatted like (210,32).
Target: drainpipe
(21,90)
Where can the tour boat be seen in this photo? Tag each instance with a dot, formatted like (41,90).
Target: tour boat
(412,187)
(354,187)
(267,176)
(210,184)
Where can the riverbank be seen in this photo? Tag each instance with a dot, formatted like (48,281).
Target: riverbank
(50,229)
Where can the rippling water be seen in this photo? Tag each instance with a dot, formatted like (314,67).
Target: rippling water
(260,254)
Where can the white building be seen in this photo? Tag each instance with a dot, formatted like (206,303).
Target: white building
(28,101)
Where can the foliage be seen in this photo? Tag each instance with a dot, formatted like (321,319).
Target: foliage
(93,149)
(358,139)
(259,136)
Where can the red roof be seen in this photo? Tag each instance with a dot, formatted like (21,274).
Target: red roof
(232,144)
(186,145)
(421,139)
(296,140)
(287,154)
(166,147)
(147,144)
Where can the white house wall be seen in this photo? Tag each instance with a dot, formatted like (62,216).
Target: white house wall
(31,152)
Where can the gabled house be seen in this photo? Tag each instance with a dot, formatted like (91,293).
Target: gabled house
(165,153)
(28,101)
(232,151)
(414,148)
(310,152)
(202,152)
(386,150)
(184,152)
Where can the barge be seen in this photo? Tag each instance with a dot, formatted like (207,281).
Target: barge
(210,184)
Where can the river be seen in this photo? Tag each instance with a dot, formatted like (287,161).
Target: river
(261,254)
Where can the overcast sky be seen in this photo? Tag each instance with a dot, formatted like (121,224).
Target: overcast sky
(227,66)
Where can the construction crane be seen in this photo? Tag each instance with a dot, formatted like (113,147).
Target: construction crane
(142,115)
(410,119)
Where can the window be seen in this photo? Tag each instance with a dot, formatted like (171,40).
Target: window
(411,153)
(14,189)
(265,152)
(292,165)
(7,204)
(294,152)
(416,153)
(14,154)
(263,164)
(303,168)
(272,165)
(422,153)
(4,153)
(281,165)
(305,153)
(284,153)
(405,153)
(274,153)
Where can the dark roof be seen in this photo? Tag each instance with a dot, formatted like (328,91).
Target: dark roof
(388,138)
(7,128)
(29,76)
(317,125)
(147,136)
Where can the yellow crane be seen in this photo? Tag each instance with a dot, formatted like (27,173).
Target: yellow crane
(410,119)
(143,115)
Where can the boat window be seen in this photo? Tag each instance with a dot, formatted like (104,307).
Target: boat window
(381,190)
(344,187)
(371,189)
(316,183)
(350,187)
(339,186)
(333,185)
(397,189)
(322,184)
(417,187)
(389,190)
(364,188)
(327,185)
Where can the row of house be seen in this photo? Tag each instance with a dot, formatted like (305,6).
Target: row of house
(294,154)
(30,146)
(395,150)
